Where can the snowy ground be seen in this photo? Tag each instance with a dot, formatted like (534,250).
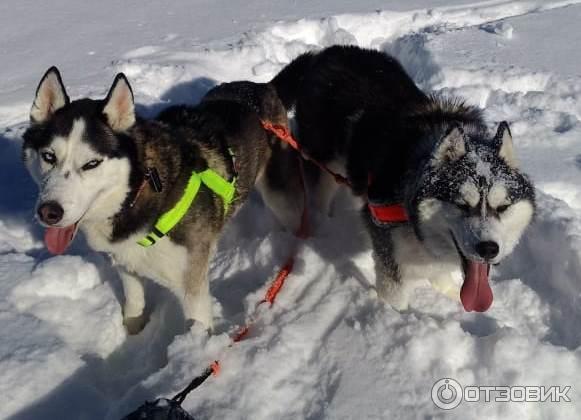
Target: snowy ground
(328,348)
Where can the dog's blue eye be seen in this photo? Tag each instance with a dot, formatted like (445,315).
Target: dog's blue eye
(502,209)
(48,157)
(92,164)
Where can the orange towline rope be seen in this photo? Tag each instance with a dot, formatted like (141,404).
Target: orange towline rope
(394,213)
(284,134)
(280,279)
(383,213)
(278,282)
(275,286)
(270,296)
(272,291)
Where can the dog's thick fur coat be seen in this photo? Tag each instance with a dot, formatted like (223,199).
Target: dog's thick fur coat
(466,200)
(90,159)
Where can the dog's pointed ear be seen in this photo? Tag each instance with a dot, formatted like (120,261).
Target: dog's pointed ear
(452,146)
(119,108)
(50,96)
(504,145)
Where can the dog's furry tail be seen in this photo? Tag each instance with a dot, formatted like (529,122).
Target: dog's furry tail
(289,80)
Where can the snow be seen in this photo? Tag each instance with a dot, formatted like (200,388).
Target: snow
(327,348)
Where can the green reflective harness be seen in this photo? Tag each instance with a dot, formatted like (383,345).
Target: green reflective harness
(211,179)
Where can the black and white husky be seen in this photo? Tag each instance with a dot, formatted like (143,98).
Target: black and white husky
(465,202)
(103,170)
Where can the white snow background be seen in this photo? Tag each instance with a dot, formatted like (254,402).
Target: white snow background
(328,349)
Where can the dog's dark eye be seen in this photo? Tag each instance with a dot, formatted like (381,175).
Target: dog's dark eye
(502,209)
(48,157)
(92,164)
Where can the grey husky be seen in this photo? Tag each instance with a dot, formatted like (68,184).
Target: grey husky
(154,194)
(461,201)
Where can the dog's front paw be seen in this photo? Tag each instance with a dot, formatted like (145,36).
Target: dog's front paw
(394,295)
(399,302)
(198,327)
(134,324)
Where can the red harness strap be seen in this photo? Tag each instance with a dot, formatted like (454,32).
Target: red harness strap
(394,213)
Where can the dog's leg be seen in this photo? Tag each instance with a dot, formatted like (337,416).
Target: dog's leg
(324,192)
(133,317)
(281,189)
(196,299)
(287,207)
(389,285)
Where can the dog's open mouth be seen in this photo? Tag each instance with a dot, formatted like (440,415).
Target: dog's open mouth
(57,240)
(476,294)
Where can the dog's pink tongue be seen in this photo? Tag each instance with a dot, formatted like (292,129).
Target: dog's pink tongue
(58,239)
(476,294)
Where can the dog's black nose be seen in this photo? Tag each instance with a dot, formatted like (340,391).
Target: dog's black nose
(487,249)
(50,212)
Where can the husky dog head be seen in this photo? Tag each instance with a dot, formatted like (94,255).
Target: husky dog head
(78,153)
(473,201)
